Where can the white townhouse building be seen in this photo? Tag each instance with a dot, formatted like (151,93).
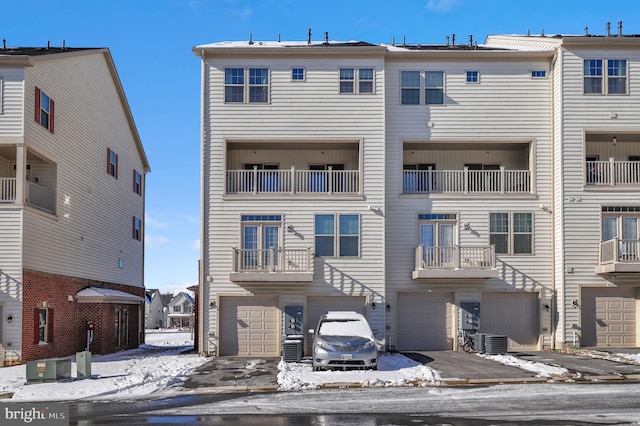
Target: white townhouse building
(596,184)
(72,170)
(438,189)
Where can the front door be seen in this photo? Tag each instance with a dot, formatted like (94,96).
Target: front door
(437,240)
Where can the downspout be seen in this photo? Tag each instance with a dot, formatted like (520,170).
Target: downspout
(554,291)
(202,301)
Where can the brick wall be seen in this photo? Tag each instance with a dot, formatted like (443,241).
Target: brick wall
(52,291)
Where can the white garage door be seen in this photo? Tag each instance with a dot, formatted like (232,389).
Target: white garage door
(319,305)
(250,326)
(515,315)
(424,321)
(608,317)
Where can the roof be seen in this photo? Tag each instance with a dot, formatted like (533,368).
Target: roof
(106,295)
(185,295)
(39,51)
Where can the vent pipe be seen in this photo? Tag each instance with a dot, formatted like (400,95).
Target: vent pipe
(404,40)
(250,38)
(308,36)
(278,37)
(63,45)
(4,43)
(586,31)
(326,37)
(528,33)
(48,44)
(542,32)
(453,39)
(608,29)
(393,41)
(619,28)
(447,41)
(471,40)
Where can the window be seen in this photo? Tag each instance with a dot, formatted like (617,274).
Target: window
(137,182)
(616,76)
(410,82)
(511,233)
(437,238)
(176,308)
(112,163)
(44,109)
(347,80)
(260,237)
(297,74)
(538,74)
(137,228)
(434,88)
(623,223)
(43,325)
(473,77)
(186,308)
(346,227)
(365,80)
(235,80)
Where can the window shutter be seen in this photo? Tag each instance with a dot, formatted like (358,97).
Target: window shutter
(134,182)
(36,326)
(116,166)
(37,103)
(108,161)
(51,114)
(133,228)
(49,325)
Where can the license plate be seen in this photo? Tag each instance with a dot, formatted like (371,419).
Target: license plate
(345,357)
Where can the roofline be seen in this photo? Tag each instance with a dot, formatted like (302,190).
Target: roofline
(466,54)
(312,50)
(570,40)
(15,60)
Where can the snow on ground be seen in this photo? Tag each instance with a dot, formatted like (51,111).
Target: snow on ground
(159,364)
(393,370)
(541,370)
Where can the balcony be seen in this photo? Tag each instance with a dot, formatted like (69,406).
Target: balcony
(35,195)
(456,262)
(613,173)
(619,255)
(272,265)
(293,182)
(467,181)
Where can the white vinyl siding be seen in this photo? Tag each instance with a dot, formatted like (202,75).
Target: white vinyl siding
(11,228)
(92,229)
(12,109)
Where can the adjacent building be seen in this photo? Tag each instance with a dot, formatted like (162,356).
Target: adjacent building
(72,175)
(440,190)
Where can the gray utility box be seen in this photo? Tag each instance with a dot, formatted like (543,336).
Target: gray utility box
(478,341)
(292,348)
(495,344)
(83,361)
(48,370)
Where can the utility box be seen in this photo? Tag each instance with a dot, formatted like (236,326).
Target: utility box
(478,341)
(469,316)
(49,370)
(83,362)
(293,320)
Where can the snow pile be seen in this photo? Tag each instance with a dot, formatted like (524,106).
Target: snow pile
(161,363)
(542,370)
(393,370)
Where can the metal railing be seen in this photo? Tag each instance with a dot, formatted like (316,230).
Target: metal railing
(613,172)
(40,197)
(272,260)
(619,251)
(455,257)
(293,181)
(467,181)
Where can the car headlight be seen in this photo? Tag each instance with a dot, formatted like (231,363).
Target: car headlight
(324,345)
(369,344)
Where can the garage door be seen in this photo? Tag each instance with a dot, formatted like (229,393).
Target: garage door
(608,317)
(515,315)
(424,321)
(250,326)
(317,306)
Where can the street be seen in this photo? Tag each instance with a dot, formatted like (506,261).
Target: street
(504,404)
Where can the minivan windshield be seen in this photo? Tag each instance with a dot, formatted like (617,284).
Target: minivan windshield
(346,327)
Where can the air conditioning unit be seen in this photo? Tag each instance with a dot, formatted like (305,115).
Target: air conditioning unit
(292,350)
(479,341)
(496,344)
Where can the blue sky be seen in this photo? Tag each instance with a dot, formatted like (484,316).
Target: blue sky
(151,41)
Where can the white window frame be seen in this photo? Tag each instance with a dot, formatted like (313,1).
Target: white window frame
(411,88)
(511,232)
(605,78)
(472,77)
(365,81)
(356,81)
(441,88)
(538,74)
(43,327)
(246,84)
(337,236)
(299,69)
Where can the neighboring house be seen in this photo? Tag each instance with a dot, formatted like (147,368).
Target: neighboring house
(180,311)
(438,189)
(155,310)
(72,170)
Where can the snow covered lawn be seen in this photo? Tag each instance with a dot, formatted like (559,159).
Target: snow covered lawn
(159,364)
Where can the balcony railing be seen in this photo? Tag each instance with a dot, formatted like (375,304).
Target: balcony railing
(620,251)
(293,181)
(467,181)
(613,172)
(7,190)
(40,197)
(455,257)
(272,260)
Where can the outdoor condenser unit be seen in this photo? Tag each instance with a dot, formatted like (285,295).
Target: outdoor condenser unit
(292,348)
(478,341)
(495,344)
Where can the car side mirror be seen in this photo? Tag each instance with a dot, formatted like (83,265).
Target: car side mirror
(311,331)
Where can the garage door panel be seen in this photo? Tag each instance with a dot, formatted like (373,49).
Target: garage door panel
(249,326)
(608,317)
(515,315)
(424,321)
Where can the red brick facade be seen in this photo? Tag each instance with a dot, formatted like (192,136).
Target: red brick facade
(67,331)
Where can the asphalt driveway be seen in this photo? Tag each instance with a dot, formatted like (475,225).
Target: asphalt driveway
(582,365)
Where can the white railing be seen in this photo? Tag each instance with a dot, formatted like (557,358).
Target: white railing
(455,257)
(619,251)
(272,260)
(7,190)
(613,172)
(293,181)
(467,181)
(40,197)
